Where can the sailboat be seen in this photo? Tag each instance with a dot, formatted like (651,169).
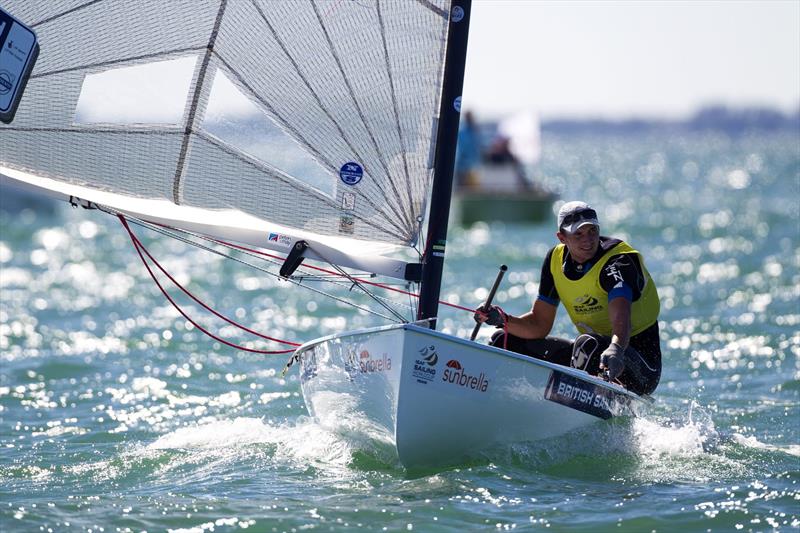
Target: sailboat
(502,187)
(148,111)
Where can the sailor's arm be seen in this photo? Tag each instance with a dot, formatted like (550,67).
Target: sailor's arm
(612,361)
(535,324)
(619,277)
(619,311)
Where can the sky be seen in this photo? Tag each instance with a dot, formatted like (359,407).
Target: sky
(626,59)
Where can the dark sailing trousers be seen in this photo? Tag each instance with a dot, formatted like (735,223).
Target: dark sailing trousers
(642,357)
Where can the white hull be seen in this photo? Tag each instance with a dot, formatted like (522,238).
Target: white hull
(439,399)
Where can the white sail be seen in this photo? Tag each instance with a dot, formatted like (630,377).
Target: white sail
(524,136)
(168,101)
(270,121)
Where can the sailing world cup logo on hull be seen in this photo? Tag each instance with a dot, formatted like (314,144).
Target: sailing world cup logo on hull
(455,374)
(425,364)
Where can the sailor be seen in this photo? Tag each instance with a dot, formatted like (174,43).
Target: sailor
(610,297)
(468,153)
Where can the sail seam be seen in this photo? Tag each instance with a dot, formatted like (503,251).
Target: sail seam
(403,216)
(64,13)
(394,106)
(112,129)
(116,61)
(201,77)
(274,112)
(260,255)
(397,213)
(276,173)
(314,152)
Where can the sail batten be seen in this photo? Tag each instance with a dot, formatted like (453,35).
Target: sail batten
(201,89)
(352,87)
(360,112)
(121,61)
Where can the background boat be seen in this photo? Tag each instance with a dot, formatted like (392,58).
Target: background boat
(498,196)
(501,186)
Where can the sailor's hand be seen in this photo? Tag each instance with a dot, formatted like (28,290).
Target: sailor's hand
(612,362)
(492,315)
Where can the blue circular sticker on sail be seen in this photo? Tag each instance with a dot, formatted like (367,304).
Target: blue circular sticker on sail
(457,13)
(351,173)
(457,104)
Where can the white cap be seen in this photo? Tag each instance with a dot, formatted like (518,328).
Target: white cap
(574,215)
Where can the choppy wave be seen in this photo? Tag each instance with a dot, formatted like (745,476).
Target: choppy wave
(115,413)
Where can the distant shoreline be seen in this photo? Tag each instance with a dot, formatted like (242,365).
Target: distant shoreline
(733,121)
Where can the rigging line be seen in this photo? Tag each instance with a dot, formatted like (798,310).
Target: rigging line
(279,261)
(345,138)
(195,324)
(394,104)
(356,283)
(276,260)
(148,225)
(192,296)
(312,267)
(130,59)
(252,251)
(264,168)
(358,108)
(198,89)
(64,13)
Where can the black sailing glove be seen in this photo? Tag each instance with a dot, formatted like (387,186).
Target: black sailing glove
(612,361)
(494,316)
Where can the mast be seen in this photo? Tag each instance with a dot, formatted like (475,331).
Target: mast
(446,138)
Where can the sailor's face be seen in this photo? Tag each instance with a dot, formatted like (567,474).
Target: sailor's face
(582,244)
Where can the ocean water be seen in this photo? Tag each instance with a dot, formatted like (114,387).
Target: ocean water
(116,415)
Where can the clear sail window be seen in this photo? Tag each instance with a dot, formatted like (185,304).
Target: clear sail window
(236,120)
(152,93)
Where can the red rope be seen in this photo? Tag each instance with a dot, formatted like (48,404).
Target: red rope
(139,247)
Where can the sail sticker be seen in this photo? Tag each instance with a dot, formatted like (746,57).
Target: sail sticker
(584,396)
(456,374)
(351,173)
(425,365)
(368,363)
(457,104)
(457,14)
(346,224)
(283,240)
(18,52)
(348,201)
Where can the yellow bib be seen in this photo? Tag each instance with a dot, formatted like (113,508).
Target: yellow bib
(587,302)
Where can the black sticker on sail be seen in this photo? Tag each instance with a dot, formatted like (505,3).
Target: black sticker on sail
(584,396)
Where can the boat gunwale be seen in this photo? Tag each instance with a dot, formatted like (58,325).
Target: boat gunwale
(415,327)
